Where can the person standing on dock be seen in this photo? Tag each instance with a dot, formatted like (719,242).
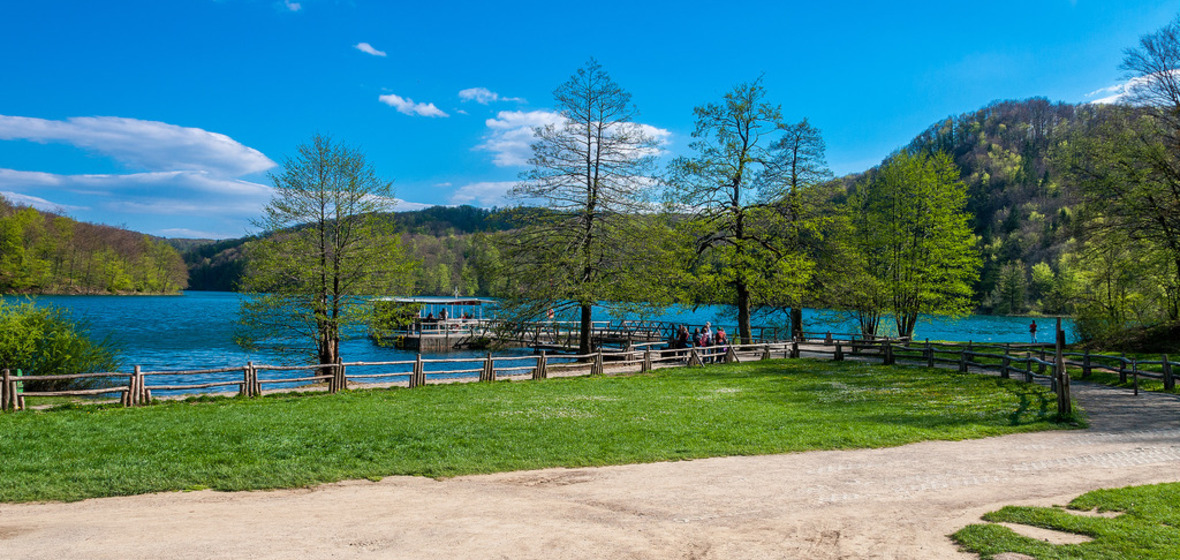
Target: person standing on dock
(1032,330)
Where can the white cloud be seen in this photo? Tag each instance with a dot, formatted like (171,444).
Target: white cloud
(405,206)
(37,202)
(485,194)
(1127,91)
(367,48)
(511,135)
(292,6)
(407,106)
(483,96)
(150,145)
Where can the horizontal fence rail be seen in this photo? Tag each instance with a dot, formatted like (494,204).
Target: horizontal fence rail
(1024,362)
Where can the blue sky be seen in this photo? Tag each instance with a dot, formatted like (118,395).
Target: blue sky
(165,117)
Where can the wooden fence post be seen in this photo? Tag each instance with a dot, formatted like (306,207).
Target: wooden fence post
(1135,372)
(1086,365)
(257,391)
(342,373)
(1028,376)
(145,394)
(1169,381)
(489,370)
(963,361)
(542,367)
(839,356)
(828,338)
(1123,367)
(1005,361)
(1053,380)
(1041,365)
(765,352)
(416,374)
(794,348)
(246,385)
(6,398)
(598,365)
(887,359)
(929,354)
(693,358)
(730,355)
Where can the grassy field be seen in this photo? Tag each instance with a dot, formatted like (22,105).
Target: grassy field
(283,441)
(1146,530)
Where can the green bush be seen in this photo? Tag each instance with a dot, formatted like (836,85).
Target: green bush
(45,341)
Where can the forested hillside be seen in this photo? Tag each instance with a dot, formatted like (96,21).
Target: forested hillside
(452,245)
(48,253)
(1024,211)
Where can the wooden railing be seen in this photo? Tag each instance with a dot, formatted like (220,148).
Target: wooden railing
(135,388)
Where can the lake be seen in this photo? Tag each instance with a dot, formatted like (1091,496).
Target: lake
(195,330)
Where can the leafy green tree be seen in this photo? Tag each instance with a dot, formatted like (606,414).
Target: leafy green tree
(747,187)
(45,341)
(912,233)
(326,252)
(589,172)
(1011,292)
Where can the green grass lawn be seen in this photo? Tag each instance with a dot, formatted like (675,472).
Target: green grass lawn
(285,441)
(1148,529)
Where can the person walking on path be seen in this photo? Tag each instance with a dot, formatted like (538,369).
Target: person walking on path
(1032,330)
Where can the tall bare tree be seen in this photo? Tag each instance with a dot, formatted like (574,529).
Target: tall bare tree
(325,249)
(589,172)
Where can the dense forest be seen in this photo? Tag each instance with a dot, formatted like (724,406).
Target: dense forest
(42,252)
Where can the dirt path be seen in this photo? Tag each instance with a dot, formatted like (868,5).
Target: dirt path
(886,503)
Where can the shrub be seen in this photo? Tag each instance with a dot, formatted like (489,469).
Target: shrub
(45,341)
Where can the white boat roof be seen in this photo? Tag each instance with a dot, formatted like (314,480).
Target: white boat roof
(438,300)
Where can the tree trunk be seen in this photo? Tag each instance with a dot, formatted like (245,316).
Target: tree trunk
(743,305)
(797,323)
(587,329)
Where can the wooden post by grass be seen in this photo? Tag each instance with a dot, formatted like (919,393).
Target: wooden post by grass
(693,358)
(416,374)
(1135,373)
(489,370)
(963,361)
(599,368)
(246,386)
(765,352)
(887,359)
(1041,365)
(646,365)
(1123,367)
(1028,375)
(794,348)
(1004,362)
(730,355)
(6,397)
(828,338)
(1169,381)
(1086,365)
(257,391)
(542,371)
(839,356)
(929,354)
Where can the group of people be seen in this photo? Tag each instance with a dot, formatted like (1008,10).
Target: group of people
(702,337)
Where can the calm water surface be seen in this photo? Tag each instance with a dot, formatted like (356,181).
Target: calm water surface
(195,330)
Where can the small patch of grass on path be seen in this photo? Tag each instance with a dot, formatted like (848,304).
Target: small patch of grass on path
(284,441)
(1149,528)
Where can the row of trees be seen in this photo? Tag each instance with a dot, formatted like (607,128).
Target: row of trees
(47,253)
(750,219)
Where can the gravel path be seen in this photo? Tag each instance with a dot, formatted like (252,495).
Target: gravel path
(890,503)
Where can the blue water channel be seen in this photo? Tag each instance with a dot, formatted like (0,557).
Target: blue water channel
(195,331)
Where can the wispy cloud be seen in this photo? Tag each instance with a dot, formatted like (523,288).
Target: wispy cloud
(485,194)
(37,202)
(484,96)
(367,48)
(146,145)
(407,106)
(292,6)
(511,135)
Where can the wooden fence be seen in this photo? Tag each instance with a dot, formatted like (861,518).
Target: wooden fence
(1028,363)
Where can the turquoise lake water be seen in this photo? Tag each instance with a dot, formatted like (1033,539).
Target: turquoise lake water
(195,330)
